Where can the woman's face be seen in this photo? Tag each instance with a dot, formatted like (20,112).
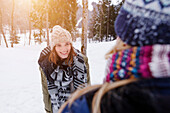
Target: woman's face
(63,49)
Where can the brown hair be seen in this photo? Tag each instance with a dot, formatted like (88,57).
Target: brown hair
(56,59)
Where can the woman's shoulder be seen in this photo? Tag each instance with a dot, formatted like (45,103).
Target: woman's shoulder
(43,58)
(79,54)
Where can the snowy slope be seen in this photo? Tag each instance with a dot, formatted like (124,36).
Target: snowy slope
(20,83)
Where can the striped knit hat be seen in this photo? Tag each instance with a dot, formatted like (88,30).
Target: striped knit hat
(144,22)
(59,35)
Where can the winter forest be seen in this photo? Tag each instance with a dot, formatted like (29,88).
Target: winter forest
(88,56)
(37,17)
(25,29)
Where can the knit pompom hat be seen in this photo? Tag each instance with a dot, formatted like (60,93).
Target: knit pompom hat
(144,22)
(59,35)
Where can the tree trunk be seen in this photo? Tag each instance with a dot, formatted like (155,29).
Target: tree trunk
(30,28)
(101,20)
(4,38)
(1,28)
(108,21)
(12,24)
(84,27)
(47,24)
(0,39)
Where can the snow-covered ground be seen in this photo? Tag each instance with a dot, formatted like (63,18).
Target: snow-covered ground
(20,82)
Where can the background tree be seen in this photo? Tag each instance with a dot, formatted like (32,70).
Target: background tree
(73,17)
(29,16)
(108,3)
(60,12)
(113,14)
(63,13)
(106,24)
(93,24)
(84,27)
(38,15)
(12,32)
(29,19)
(103,21)
(1,29)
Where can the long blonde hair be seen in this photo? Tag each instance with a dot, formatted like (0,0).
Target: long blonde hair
(55,58)
(120,45)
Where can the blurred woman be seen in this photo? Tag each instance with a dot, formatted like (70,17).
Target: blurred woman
(143,43)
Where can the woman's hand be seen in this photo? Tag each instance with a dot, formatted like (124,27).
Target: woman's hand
(44,53)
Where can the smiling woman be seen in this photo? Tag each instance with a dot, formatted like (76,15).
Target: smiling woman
(63,69)
(61,45)
(63,49)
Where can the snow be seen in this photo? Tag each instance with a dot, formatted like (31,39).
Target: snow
(90,7)
(20,83)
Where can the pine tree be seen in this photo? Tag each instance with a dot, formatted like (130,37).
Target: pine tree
(38,18)
(113,14)
(60,12)
(63,13)
(29,20)
(93,24)
(99,25)
(103,21)
(73,11)
(12,32)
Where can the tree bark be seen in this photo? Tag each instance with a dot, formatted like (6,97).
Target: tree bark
(1,28)
(108,18)
(84,27)
(47,24)
(30,28)
(12,24)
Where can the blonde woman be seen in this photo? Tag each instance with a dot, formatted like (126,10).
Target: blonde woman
(143,47)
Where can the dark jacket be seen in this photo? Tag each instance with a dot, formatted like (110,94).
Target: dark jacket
(142,96)
(46,79)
